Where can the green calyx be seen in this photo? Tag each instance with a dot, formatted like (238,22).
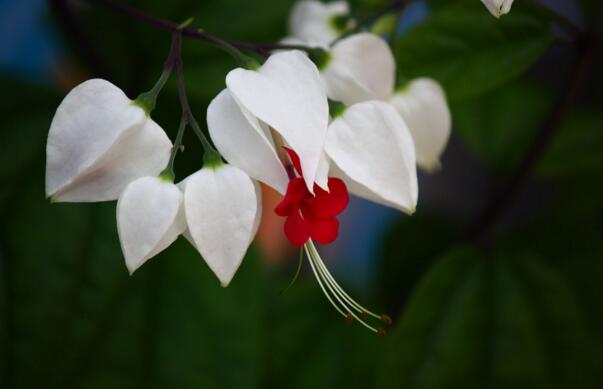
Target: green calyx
(320,57)
(402,84)
(146,101)
(167,175)
(212,160)
(251,63)
(336,108)
(339,23)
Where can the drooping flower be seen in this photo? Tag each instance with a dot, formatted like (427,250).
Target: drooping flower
(266,124)
(223,207)
(150,216)
(311,215)
(498,7)
(99,141)
(285,95)
(318,24)
(362,68)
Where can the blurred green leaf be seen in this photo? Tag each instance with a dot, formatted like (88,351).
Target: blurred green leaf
(499,125)
(469,51)
(409,249)
(309,345)
(576,148)
(77,320)
(24,131)
(507,321)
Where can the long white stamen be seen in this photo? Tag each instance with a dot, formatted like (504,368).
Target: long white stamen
(317,263)
(335,285)
(320,283)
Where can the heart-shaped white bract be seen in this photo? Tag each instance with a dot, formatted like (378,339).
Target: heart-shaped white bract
(422,104)
(99,141)
(315,23)
(373,153)
(361,67)
(150,216)
(498,7)
(222,207)
(286,94)
(251,150)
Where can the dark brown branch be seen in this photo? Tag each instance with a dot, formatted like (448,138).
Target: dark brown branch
(588,46)
(189,32)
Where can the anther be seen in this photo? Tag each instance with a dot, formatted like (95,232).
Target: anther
(381,333)
(364,315)
(386,320)
(349,318)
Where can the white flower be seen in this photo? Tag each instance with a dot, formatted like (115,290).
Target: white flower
(242,145)
(422,104)
(284,104)
(150,216)
(362,68)
(318,24)
(373,153)
(99,141)
(498,7)
(287,95)
(223,209)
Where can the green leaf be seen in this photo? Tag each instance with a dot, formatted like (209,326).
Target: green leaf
(576,148)
(75,319)
(471,52)
(409,249)
(507,321)
(499,125)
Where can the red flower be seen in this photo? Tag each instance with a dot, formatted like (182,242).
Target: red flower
(311,216)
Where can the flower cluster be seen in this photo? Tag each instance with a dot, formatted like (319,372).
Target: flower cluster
(311,127)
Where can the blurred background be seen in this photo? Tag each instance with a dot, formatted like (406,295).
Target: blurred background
(495,282)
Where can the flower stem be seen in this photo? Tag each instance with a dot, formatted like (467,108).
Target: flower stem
(187,115)
(169,170)
(263,49)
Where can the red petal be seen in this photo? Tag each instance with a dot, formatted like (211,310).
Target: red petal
(323,230)
(294,159)
(296,230)
(327,204)
(296,192)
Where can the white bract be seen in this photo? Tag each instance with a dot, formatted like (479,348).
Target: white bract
(316,23)
(150,216)
(369,143)
(223,209)
(362,68)
(422,104)
(99,141)
(374,154)
(287,95)
(251,148)
(498,7)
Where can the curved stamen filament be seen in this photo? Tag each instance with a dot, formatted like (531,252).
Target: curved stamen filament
(339,289)
(338,296)
(331,289)
(320,282)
